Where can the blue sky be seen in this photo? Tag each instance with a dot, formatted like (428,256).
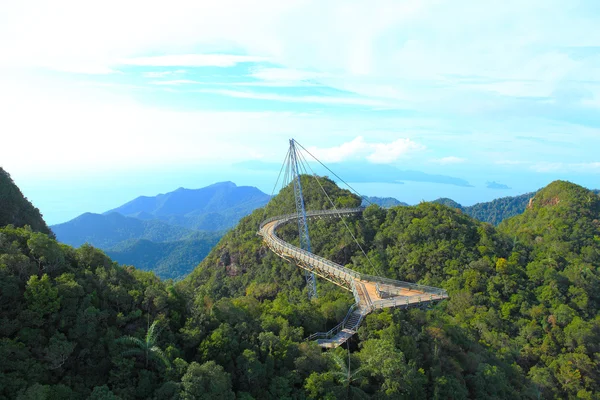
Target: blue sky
(105,102)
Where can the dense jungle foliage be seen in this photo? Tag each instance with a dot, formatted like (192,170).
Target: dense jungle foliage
(168,260)
(522,320)
(494,211)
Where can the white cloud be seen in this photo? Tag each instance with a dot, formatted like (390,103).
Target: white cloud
(385,51)
(191,60)
(389,152)
(162,74)
(288,76)
(277,84)
(449,160)
(296,99)
(177,82)
(382,49)
(75,130)
(561,167)
(358,148)
(87,69)
(510,162)
(354,148)
(68,130)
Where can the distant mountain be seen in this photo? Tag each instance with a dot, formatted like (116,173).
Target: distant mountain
(212,208)
(385,202)
(15,209)
(500,209)
(106,231)
(166,259)
(448,203)
(494,211)
(168,233)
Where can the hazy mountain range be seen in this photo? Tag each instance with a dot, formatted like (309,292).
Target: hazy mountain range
(212,208)
(168,233)
(171,233)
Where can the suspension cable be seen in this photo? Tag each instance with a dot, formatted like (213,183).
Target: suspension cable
(336,175)
(277,181)
(340,216)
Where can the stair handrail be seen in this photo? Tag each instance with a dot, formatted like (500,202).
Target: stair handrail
(357,324)
(333,331)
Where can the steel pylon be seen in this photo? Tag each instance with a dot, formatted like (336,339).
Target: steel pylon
(311,282)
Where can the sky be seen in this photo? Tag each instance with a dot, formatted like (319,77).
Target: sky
(105,101)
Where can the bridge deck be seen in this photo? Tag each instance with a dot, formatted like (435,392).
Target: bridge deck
(370,292)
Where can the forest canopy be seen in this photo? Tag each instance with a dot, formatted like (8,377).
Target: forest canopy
(522,320)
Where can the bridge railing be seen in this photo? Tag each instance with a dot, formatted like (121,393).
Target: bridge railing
(404,285)
(312,258)
(316,213)
(407,301)
(355,291)
(333,331)
(331,267)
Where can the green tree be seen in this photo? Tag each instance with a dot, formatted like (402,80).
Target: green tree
(103,393)
(45,251)
(348,378)
(147,348)
(42,297)
(58,350)
(208,381)
(388,366)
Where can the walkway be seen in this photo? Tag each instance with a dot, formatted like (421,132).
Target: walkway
(370,292)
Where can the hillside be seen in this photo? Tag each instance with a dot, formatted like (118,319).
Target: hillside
(169,233)
(15,209)
(215,207)
(448,203)
(504,333)
(522,320)
(168,260)
(500,209)
(384,202)
(494,211)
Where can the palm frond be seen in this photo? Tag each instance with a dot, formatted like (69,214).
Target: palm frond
(356,373)
(342,376)
(340,362)
(131,340)
(152,334)
(157,353)
(132,352)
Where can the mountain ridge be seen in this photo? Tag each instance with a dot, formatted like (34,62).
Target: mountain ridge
(16,210)
(188,207)
(107,230)
(183,223)
(494,211)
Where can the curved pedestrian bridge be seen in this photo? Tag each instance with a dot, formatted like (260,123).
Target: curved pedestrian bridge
(370,292)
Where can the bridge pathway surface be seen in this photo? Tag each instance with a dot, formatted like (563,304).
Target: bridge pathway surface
(370,292)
